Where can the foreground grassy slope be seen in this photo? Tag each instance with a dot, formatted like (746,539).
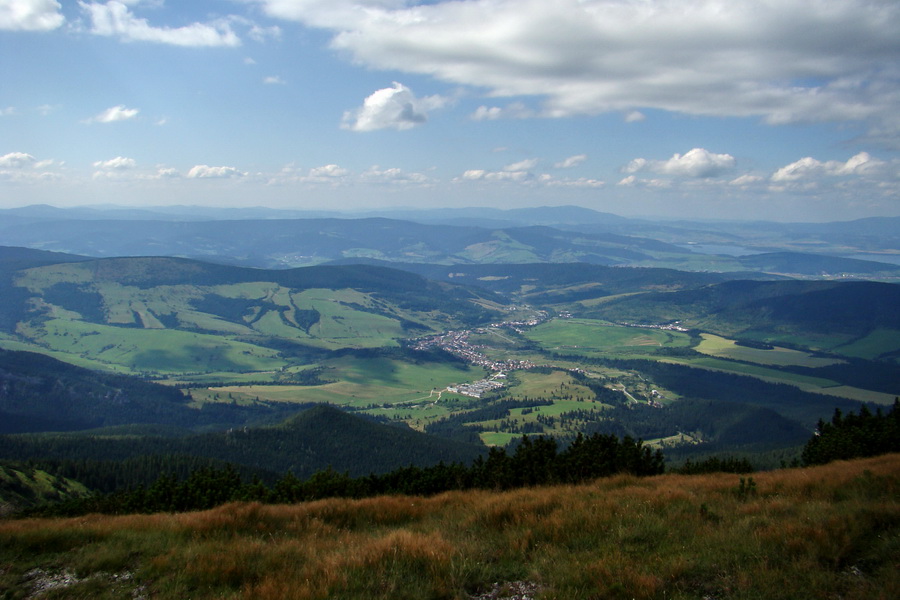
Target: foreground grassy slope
(831,531)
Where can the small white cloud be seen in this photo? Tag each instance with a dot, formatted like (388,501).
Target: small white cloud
(474,174)
(114,19)
(745,180)
(167,173)
(628,181)
(8,111)
(634,116)
(391,108)
(522,165)
(697,162)
(207,172)
(114,114)
(21,167)
(514,110)
(30,15)
(809,168)
(249,61)
(572,161)
(635,165)
(328,172)
(263,34)
(394,175)
(120,163)
(483,175)
(581,182)
(274,80)
(17,160)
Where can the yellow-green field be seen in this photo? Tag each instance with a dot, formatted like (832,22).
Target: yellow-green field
(714,345)
(816,385)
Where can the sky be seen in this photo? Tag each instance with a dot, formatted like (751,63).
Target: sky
(693,109)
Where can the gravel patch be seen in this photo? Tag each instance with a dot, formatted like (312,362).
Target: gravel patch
(510,590)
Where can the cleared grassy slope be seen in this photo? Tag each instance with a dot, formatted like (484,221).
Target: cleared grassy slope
(831,531)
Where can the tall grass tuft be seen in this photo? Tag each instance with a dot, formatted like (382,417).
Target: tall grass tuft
(823,532)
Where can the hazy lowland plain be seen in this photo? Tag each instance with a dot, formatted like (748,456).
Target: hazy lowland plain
(140,345)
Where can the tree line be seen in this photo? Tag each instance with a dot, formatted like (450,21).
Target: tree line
(854,435)
(535,461)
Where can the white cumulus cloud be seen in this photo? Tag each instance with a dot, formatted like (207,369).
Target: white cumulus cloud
(17,160)
(810,168)
(30,15)
(697,162)
(395,107)
(785,61)
(394,175)
(115,19)
(119,163)
(326,172)
(484,175)
(208,172)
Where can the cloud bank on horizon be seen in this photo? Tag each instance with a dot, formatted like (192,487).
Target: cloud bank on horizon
(787,108)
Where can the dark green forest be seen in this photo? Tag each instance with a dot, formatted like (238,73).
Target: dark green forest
(535,461)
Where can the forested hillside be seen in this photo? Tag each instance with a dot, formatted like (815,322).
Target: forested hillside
(40,393)
(312,440)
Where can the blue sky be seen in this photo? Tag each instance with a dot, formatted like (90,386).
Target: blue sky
(776,109)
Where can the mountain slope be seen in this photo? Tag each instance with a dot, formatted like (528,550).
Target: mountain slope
(40,393)
(770,309)
(165,315)
(289,242)
(313,440)
(558,282)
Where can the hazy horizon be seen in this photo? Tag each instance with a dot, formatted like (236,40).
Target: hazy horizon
(691,109)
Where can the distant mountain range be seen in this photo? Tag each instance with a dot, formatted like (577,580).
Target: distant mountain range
(268,238)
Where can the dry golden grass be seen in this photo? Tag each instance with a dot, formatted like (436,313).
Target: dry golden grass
(824,532)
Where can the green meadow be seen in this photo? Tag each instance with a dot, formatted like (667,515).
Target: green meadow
(160,351)
(368,382)
(874,345)
(556,386)
(588,337)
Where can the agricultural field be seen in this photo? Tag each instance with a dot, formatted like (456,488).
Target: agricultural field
(383,386)
(714,345)
(880,342)
(588,337)
(151,351)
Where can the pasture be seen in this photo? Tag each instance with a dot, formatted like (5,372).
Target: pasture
(367,383)
(720,347)
(588,337)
